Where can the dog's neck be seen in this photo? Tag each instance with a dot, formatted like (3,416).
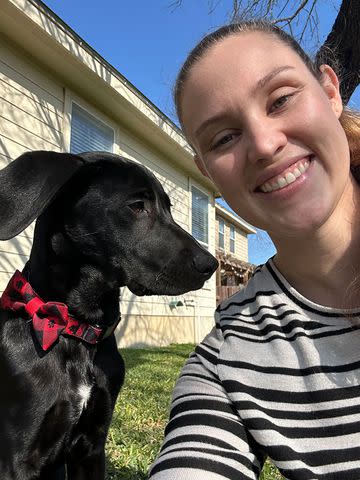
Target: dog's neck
(59,273)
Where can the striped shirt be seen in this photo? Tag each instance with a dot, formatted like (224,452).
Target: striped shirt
(278,377)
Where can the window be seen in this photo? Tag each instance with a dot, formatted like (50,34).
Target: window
(200,220)
(88,133)
(221,233)
(232,239)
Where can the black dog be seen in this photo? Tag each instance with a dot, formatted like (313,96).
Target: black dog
(104,222)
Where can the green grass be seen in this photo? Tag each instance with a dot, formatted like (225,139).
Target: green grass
(142,411)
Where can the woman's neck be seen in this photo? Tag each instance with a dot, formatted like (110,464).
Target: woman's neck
(324,265)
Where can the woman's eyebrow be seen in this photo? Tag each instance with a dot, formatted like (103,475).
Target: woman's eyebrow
(269,76)
(208,122)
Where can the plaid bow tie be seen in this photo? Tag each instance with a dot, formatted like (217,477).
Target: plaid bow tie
(50,319)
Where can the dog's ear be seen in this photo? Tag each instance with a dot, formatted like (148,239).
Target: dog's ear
(27,186)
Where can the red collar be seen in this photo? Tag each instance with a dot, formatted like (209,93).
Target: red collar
(49,319)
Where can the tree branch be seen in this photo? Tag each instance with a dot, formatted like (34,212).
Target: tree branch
(307,21)
(295,14)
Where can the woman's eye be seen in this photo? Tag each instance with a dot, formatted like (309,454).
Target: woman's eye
(137,207)
(223,141)
(280,102)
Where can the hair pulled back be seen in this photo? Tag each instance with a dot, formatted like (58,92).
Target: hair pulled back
(350,120)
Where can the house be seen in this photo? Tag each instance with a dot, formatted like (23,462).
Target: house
(231,244)
(57,93)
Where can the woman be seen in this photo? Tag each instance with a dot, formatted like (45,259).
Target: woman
(279,375)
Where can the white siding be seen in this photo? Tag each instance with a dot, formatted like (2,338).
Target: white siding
(31,113)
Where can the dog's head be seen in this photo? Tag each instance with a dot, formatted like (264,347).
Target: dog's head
(108,210)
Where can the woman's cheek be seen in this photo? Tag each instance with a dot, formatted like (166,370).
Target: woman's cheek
(222,171)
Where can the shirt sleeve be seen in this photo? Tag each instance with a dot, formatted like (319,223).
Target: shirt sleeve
(205,437)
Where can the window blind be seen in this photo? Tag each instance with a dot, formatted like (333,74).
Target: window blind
(200,216)
(88,133)
(221,233)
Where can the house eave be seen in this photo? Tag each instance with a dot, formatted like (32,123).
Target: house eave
(34,28)
(237,221)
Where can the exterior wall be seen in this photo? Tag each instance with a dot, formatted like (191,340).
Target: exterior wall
(241,241)
(31,115)
(241,245)
(35,114)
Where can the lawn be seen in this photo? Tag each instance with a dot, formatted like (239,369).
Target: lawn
(142,411)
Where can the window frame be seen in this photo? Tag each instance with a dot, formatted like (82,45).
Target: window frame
(221,233)
(91,118)
(70,99)
(232,239)
(199,189)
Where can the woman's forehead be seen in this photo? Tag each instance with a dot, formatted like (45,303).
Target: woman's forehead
(249,51)
(238,61)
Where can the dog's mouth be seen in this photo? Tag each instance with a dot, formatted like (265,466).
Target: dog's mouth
(162,288)
(140,290)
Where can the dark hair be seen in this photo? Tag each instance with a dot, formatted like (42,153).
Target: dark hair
(349,120)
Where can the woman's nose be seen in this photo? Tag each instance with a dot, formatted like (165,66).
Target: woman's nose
(265,140)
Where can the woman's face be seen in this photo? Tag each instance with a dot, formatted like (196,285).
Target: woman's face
(267,133)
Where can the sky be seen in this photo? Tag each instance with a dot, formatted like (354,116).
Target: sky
(147,42)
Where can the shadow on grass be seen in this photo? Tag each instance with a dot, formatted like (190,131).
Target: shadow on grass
(123,473)
(137,356)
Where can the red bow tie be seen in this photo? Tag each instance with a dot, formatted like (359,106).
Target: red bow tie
(50,319)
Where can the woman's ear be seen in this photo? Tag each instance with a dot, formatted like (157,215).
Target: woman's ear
(201,166)
(330,84)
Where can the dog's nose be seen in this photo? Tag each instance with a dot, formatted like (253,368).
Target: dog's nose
(205,263)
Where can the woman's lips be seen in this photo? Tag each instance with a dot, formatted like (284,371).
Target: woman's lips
(288,176)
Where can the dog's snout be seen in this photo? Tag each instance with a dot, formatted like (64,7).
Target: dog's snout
(205,263)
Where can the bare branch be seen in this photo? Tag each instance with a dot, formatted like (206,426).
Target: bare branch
(212,6)
(288,20)
(284,8)
(307,21)
(235,8)
(174,5)
(269,8)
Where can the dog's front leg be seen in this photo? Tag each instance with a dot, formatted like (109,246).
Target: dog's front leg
(53,473)
(90,468)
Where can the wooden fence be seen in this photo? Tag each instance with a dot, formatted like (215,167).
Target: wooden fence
(224,292)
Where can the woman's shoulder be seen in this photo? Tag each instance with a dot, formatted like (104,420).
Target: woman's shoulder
(263,295)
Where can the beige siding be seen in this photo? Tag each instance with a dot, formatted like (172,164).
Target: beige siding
(241,240)
(31,106)
(31,112)
(140,330)
(241,245)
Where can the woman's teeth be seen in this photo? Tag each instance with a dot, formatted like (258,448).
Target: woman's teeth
(285,179)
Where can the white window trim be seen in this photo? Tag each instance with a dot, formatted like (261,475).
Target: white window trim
(70,99)
(223,233)
(234,238)
(211,224)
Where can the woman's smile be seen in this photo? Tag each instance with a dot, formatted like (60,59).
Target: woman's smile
(287,177)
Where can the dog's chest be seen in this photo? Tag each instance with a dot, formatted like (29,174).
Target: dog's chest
(83,393)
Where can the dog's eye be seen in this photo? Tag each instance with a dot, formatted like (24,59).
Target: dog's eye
(137,207)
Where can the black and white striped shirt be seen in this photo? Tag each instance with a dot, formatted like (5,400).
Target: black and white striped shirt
(278,376)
